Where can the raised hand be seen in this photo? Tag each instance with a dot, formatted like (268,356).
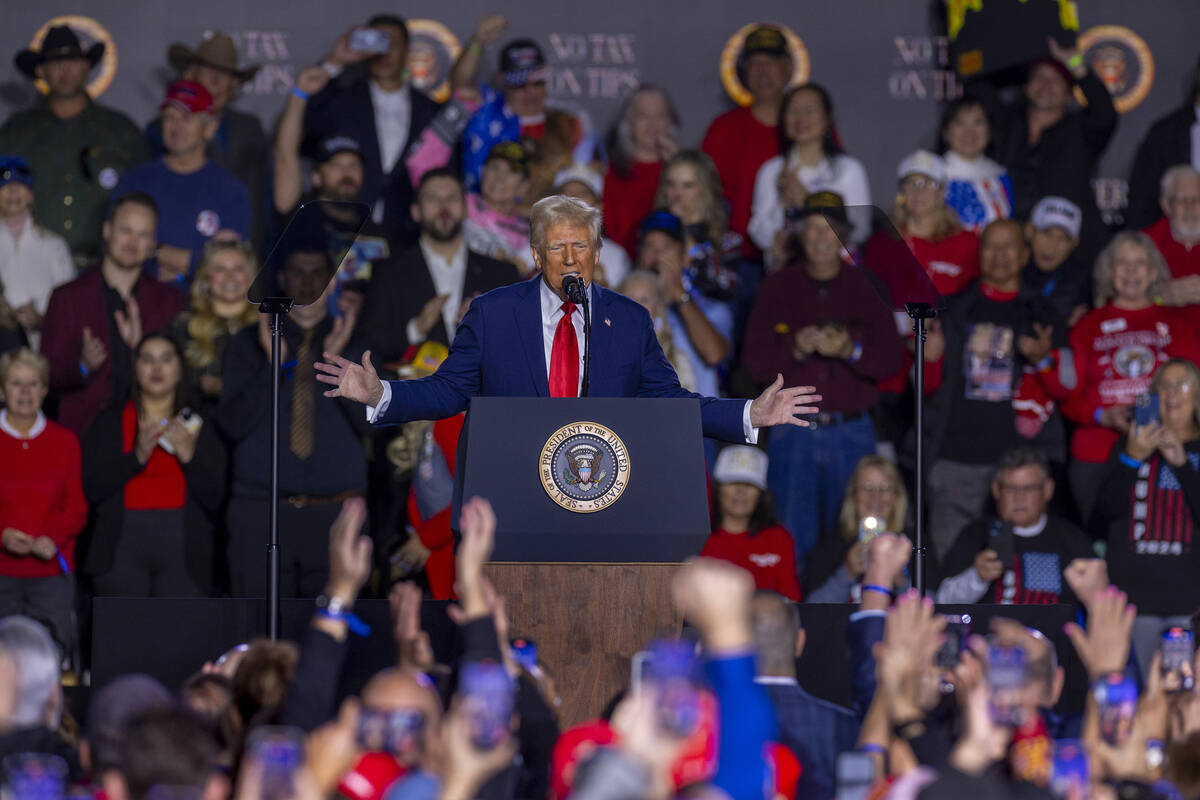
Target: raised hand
(779,406)
(1104,646)
(490,28)
(93,352)
(358,382)
(349,551)
(1087,577)
(413,649)
(129,322)
(312,80)
(912,635)
(887,556)
(715,597)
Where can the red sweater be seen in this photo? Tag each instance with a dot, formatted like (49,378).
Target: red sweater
(739,144)
(1116,353)
(41,494)
(1181,259)
(628,201)
(434,532)
(951,263)
(769,555)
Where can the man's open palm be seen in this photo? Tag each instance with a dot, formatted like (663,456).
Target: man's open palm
(779,406)
(359,382)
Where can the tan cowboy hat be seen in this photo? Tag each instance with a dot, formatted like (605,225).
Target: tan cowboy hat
(217,51)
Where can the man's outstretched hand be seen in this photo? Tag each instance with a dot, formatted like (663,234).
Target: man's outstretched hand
(779,406)
(358,382)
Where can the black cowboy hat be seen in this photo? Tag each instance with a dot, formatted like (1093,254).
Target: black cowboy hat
(60,42)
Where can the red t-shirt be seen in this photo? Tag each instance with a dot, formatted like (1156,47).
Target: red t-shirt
(628,201)
(769,555)
(41,494)
(739,144)
(161,483)
(1181,259)
(951,263)
(1116,354)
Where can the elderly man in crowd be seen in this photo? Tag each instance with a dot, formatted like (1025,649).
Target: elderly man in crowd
(1177,234)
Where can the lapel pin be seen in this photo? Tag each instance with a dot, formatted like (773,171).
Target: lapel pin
(608,322)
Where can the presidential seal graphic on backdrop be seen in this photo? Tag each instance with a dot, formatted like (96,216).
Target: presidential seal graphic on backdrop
(432,49)
(733,50)
(89,31)
(1122,60)
(584,467)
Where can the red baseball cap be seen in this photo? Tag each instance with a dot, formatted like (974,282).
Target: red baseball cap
(188,96)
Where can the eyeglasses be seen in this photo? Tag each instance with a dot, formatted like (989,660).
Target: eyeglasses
(1183,202)
(1016,488)
(920,182)
(1178,387)
(878,489)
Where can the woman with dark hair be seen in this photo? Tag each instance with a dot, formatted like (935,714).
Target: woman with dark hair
(977,188)
(642,138)
(154,473)
(746,531)
(811,159)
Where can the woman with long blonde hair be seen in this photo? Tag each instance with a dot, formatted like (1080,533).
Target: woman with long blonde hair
(219,309)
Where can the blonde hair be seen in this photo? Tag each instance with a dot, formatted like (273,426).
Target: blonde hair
(715,216)
(203,325)
(1106,265)
(848,517)
(23,355)
(946,221)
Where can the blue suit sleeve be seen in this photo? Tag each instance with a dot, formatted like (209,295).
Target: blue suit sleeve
(721,419)
(449,390)
(746,720)
(862,633)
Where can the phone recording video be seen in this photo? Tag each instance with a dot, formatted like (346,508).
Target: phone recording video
(958,628)
(1069,772)
(1116,697)
(1178,651)
(1007,677)
(280,752)
(399,732)
(669,667)
(488,695)
(1000,540)
(1146,410)
(855,775)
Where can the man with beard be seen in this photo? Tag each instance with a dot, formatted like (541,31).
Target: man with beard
(421,294)
(77,148)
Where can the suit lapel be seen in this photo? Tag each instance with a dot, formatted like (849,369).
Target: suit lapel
(601,333)
(528,313)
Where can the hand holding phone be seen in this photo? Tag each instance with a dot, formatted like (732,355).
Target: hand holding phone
(1007,677)
(1178,651)
(671,670)
(280,751)
(369,40)
(1000,541)
(1116,697)
(488,694)
(1146,410)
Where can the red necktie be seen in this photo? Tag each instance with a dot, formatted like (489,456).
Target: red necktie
(564,357)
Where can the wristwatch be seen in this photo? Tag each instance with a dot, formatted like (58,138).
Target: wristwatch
(334,605)
(1155,753)
(683,300)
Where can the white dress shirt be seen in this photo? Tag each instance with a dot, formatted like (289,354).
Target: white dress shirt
(31,265)
(393,113)
(448,277)
(551,313)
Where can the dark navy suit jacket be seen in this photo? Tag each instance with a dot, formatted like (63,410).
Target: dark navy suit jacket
(498,351)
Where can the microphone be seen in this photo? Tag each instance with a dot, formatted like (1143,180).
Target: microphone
(573,288)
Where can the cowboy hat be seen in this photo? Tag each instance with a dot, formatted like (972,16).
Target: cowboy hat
(59,43)
(217,51)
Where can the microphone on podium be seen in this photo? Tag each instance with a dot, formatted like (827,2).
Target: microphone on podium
(575,290)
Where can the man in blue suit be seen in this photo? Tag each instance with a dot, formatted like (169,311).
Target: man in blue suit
(525,340)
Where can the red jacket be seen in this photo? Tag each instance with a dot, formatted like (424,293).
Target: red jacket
(435,532)
(1116,353)
(739,144)
(41,494)
(79,304)
(628,201)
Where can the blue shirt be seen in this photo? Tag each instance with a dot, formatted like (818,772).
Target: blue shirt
(192,207)
(708,379)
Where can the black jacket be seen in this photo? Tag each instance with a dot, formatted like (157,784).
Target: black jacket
(400,288)
(344,108)
(1064,159)
(1168,142)
(106,470)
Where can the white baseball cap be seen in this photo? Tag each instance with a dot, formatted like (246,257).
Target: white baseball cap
(1057,211)
(922,162)
(741,463)
(582,173)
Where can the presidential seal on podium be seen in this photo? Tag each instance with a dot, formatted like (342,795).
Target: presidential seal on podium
(584,467)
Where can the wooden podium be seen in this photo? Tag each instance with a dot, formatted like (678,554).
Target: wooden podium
(588,620)
(591,588)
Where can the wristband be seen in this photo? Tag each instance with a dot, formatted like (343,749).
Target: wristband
(353,622)
(1075,61)
(62,561)
(871,747)
(83,370)
(875,587)
(1045,364)
(856,353)
(1096,415)
(1130,461)
(298,92)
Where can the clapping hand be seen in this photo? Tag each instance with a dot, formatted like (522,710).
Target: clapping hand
(129,322)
